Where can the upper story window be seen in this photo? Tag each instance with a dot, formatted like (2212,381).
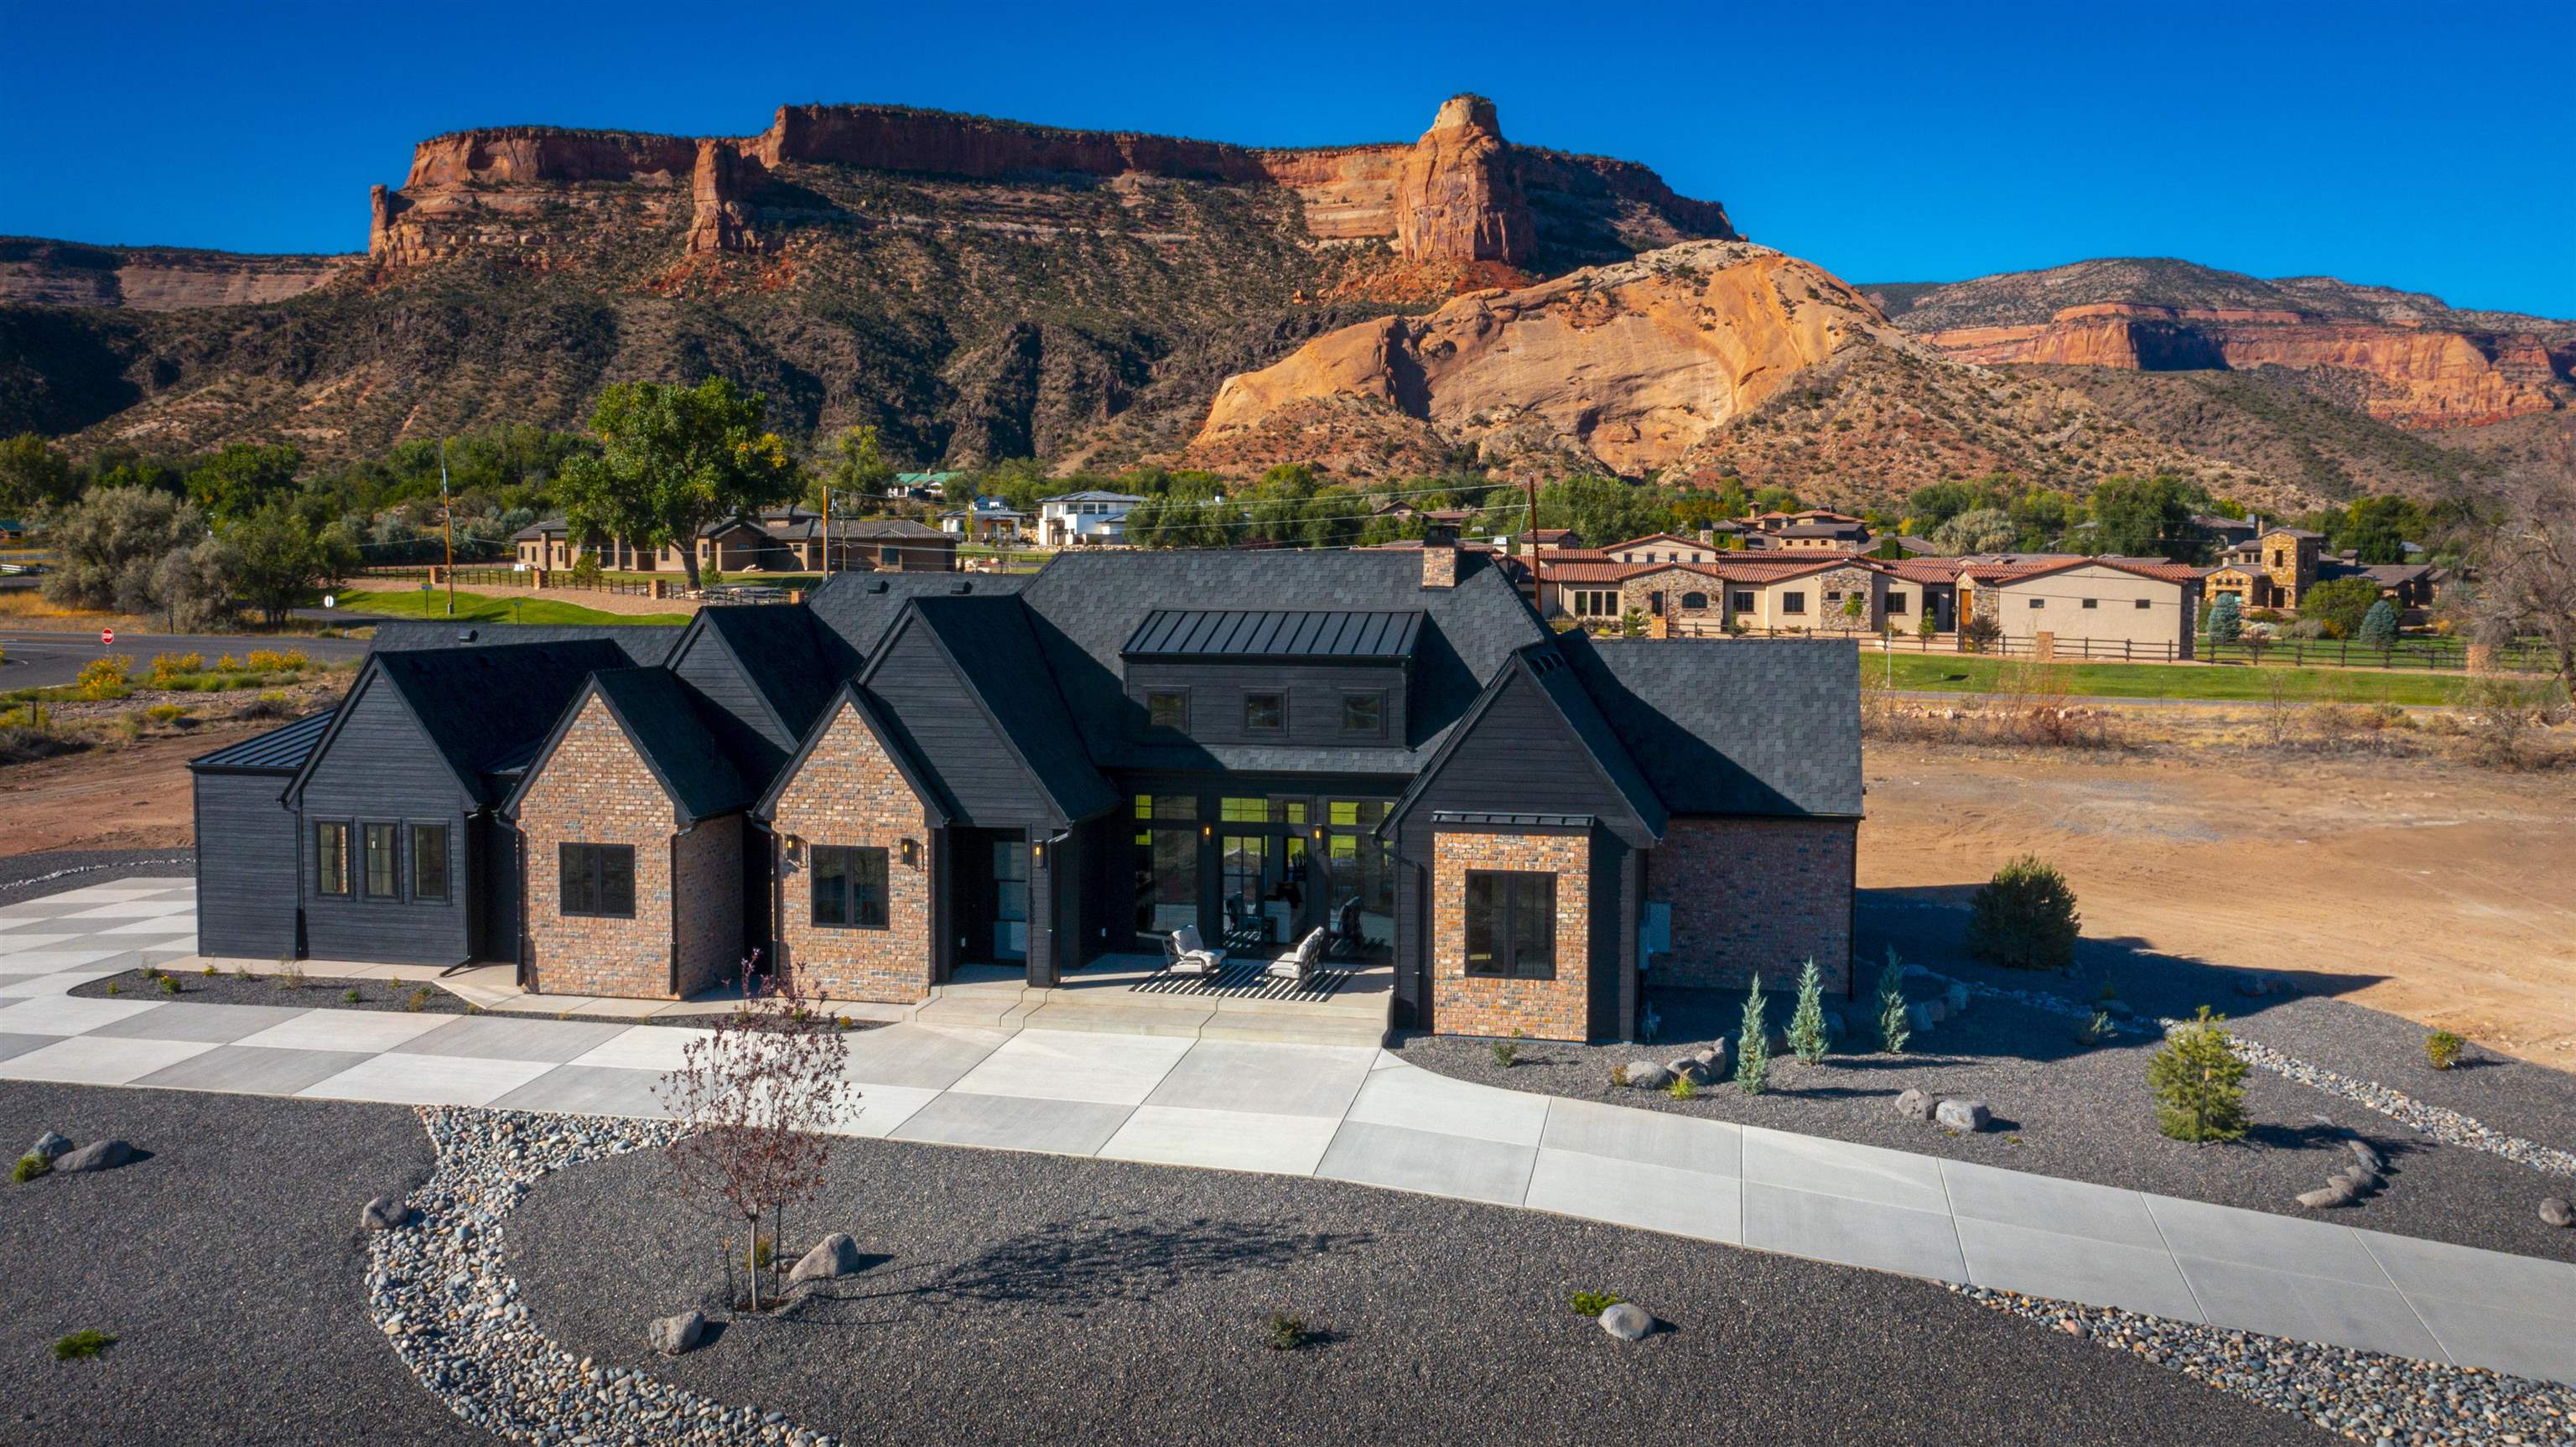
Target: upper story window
(1265,713)
(1168,708)
(1364,714)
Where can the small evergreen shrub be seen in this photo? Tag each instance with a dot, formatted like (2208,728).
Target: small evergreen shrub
(1593,1303)
(1807,1022)
(2379,625)
(30,1166)
(1288,1333)
(1505,1052)
(352,996)
(1893,1027)
(2226,619)
(2442,1048)
(114,988)
(81,1345)
(1683,1088)
(2096,1030)
(2024,918)
(2199,1082)
(1753,1051)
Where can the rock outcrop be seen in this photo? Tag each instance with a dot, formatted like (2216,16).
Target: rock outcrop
(2402,357)
(1632,364)
(1461,193)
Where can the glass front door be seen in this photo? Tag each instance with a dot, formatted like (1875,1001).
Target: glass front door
(1010,911)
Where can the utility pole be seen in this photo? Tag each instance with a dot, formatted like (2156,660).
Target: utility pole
(447,518)
(827,529)
(1531,483)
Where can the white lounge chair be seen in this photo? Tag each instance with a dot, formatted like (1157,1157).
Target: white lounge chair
(1184,953)
(1299,968)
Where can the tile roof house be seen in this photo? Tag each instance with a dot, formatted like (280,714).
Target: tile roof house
(1382,750)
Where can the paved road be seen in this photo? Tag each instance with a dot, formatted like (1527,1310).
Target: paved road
(1334,1112)
(43,658)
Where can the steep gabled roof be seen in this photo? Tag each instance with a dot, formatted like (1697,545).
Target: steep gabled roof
(661,719)
(1596,748)
(1727,727)
(995,649)
(791,661)
(481,707)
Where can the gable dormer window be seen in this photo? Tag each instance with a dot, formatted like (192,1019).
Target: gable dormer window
(1168,708)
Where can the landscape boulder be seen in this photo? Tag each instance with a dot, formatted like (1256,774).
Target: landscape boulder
(1919,1016)
(1956,997)
(1627,1321)
(1915,1105)
(2556,1211)
(672,1335)
(834,1255)
(50,1145)
(1647,1075)
(1962,1114)
(384,1213)
(2337,1192)
(1713,1058)
(2369,1158)
(1689,1068)
(104,1155)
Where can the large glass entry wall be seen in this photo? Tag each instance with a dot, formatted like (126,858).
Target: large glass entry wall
(1257,872)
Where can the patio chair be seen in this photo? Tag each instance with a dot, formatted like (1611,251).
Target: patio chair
(1299,969)
(1185,954)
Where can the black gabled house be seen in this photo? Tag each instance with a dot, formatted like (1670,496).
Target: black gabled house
(916,773)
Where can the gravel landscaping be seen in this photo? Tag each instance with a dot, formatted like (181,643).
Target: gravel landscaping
(227,1264)
(1018,1298)
(33,876)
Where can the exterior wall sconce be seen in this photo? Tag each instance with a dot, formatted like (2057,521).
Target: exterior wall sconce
(1037,855)
(795,850)
(912,854)
(1207,831)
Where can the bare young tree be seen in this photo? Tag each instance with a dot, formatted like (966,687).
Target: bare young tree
(756,1099)
(2527,572)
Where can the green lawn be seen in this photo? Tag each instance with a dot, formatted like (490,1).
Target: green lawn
(483,608)
(1951,673)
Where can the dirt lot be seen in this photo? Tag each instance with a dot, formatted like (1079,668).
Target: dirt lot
(2445,888)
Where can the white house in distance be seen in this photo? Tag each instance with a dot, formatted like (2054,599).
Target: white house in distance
(1091,516)
(985,520)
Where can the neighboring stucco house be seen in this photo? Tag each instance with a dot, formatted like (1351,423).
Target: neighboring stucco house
(2119,606)
(910,774)
(1075,519)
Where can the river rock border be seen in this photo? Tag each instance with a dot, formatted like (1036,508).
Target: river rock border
(437,1287)
(2450,1127)
(2365,1396)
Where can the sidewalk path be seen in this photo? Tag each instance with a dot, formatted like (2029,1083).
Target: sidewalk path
(1350,1113)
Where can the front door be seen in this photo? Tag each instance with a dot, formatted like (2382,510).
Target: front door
(1009,903)
(991,896)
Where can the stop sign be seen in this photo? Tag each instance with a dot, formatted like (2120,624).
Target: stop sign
(107,638)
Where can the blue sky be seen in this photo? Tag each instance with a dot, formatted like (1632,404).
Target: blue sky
(2428,147)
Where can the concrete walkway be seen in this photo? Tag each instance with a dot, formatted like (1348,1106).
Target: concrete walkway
(1353,1113)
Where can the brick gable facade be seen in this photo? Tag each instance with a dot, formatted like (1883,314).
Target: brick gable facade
(848,793)
(594,789)
(1464,1004)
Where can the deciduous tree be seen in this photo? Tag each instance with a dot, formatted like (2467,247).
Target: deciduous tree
(673,459)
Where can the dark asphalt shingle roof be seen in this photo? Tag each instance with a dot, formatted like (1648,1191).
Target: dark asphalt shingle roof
(662,716)
(1733,727)
(281,750)
(643,644)
(485,706)
(998,653)
(858,608)
(794,662)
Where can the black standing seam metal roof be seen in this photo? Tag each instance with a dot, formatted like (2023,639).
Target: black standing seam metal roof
(281,750)
(1276,633)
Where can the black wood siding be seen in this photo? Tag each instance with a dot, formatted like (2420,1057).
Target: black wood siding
(496,889)
(381,768)
(245,867)
(1314,692)
(938,715)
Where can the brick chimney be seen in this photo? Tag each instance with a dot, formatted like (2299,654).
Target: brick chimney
(1439,558)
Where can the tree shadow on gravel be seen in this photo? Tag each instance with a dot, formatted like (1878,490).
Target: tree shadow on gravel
(1090,1261)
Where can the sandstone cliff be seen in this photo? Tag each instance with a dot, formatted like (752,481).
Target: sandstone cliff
(1460,193)
(2401,357)
(64,273)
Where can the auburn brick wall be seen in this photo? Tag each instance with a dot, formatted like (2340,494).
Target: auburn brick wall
(849,793)
(1464,1004)
(595,790)
(1755,894)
